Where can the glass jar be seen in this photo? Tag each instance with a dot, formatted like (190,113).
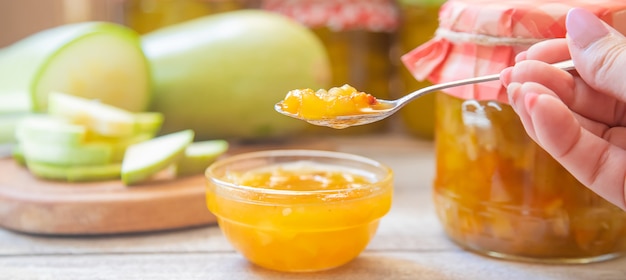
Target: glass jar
(147,15)
(358,35)
(495,191)
(418,24)
(498,193)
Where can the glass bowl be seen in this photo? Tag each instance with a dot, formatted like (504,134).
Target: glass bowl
(299,210)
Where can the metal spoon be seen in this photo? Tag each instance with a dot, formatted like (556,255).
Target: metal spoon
(393,106)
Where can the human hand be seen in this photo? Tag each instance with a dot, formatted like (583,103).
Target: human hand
(578,118)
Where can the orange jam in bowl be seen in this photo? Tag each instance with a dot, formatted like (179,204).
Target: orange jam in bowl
(299,210)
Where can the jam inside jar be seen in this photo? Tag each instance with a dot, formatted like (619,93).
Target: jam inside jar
(497,193)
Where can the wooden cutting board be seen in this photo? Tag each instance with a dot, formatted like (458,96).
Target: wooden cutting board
(32,205)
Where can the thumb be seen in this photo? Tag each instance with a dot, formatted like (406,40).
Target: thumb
(598,51)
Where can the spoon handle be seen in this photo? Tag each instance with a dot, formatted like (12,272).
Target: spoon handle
(564,65)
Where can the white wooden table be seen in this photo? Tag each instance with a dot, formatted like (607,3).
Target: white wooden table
(410,243)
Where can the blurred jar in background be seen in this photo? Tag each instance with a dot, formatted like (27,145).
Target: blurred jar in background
(20,19)
(358,35)
(147,15)
(419,20)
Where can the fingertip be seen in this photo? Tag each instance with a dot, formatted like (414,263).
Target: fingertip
(513,92)
(513,87)
(530,99)
(584,28)
(516,92)
(505,76)
(521,56)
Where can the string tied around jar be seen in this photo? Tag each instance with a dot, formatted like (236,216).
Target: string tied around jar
(456,37)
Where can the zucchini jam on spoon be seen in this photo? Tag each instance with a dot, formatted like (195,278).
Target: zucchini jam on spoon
(328,108)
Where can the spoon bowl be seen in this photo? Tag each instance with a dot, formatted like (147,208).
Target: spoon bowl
(340,122)
(392,106)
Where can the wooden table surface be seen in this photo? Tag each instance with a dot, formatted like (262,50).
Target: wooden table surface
(410,243)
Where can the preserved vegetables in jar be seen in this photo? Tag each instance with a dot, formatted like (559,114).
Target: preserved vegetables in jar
(499,193)
(358,35)
(496,192)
